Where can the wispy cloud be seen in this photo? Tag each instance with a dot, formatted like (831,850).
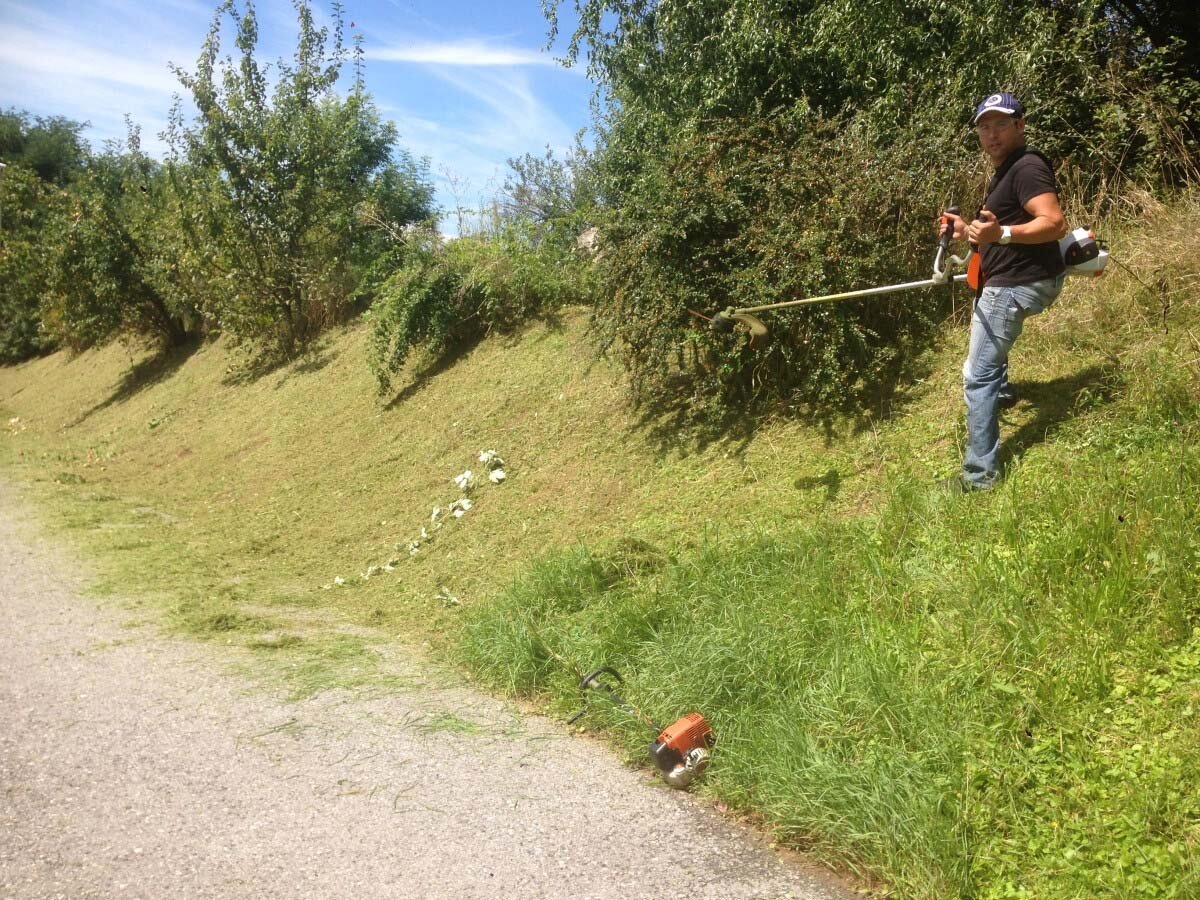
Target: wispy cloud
(36,54)
(471,53)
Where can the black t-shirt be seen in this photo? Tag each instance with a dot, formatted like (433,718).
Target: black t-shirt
(1024,175)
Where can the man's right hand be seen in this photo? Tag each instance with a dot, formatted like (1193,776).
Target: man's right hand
(955,223)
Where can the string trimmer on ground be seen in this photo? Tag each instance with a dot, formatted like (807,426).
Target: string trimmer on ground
(681,751)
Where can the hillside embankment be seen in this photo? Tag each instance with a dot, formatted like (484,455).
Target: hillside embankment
(992,695)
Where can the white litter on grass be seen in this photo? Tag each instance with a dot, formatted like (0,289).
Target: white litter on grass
(446,597)
(466,481)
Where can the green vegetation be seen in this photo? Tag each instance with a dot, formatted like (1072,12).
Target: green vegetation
(765,150)
(273,218)
(991,696)
(273,188)
(447,296)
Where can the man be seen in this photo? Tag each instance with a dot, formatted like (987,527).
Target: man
(1016,232)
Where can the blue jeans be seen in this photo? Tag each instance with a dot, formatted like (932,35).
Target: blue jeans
(1000,314)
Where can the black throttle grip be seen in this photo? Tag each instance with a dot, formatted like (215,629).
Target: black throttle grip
(944,243)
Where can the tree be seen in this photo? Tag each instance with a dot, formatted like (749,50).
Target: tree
(555,196)
(51,146)
(273,184)
(27,203)
(114,263)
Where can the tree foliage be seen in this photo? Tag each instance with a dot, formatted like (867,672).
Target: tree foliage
(51,146)
(449,294)
(113,270)
(273,183)
(556,197)
(26,204)
(859,115)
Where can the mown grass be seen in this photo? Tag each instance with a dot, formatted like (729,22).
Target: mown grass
(980,696)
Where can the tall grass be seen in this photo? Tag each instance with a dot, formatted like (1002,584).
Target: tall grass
(983,696)
(949,693)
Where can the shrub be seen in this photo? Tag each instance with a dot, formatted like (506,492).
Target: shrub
(26,203)
(738,214)
(755,151)
(450,294)
(115,255)
(270,186)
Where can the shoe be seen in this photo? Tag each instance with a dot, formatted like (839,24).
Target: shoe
(1008,401)
(960,484)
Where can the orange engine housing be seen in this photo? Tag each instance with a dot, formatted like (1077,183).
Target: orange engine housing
(677,740)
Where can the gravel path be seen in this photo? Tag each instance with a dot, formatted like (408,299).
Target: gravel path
(133,765)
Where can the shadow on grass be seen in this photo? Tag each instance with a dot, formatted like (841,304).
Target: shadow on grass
(675,426)
(452,356)
(315,356)
(146,373)
(1057,401)
(313,360)
(424,376)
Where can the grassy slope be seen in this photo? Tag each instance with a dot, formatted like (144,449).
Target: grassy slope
(876,681)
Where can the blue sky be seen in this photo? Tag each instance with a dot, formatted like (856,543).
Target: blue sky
(467,82)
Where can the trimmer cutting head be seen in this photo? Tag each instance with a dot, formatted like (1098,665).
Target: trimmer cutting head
(724,322)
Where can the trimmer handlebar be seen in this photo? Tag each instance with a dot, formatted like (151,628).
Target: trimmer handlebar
(948,235)
(941,271)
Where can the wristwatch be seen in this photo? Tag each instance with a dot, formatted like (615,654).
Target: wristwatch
(1005,235)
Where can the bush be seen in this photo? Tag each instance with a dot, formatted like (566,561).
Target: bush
(450,294)
(115,256)
(26,203)
(738,215)
(766,150)
(271,187)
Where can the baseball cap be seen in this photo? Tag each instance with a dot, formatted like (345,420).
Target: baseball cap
(1002,103)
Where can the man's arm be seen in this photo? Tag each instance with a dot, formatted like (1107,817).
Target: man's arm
(1048,223)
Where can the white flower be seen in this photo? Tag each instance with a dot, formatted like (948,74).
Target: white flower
(438,512)
(465,481)
(496,476)
(459,507)
(339,580)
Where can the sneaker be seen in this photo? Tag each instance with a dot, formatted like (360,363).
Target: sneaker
(1008,399)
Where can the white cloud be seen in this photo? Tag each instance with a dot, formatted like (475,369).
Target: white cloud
(471,53)
(62,61)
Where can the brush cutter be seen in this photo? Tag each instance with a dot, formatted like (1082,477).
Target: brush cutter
(680,751)
(1082,252)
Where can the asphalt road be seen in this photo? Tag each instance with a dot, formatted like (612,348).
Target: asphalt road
(134,764)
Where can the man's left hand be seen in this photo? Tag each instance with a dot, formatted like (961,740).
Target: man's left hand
(985,229)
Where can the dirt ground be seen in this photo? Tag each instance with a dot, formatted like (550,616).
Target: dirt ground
(133,764)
